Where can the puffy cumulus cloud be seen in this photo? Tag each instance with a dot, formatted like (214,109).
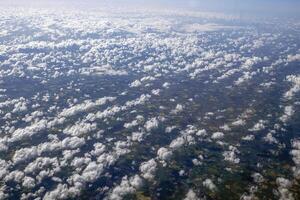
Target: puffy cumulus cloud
(208,183)
(166,85)
(72,142)
(245,77)
(148,169)
(177,143)
(283,189)
(169,129)
(156,92)
(227,74)
(151,124)
(252,191)
(164,154)
(191,195)
(178,109)
(21,106)
(293,58)
(139,101)
(250,62)
(138,136)
(85,106)
(8,103)
(295,80)
(231,155)
(225,127)
(186,137)
(92,172)
(99,148)
(127,186)
(80,129)
(260,125)
(29,131)
(4,168)
(248,137)
(112,111)
(122,147)
(217,135)
(269,138)
(28,182)
(80,162)
(15,175)
(26,154)
(136,83)
(196,162)
(60,192)
(102,70)
(295,152)
(201,133)
(3,195)
(287,114)
(33,116)
(43,167)
(257,177)
(239,122)
(139,119)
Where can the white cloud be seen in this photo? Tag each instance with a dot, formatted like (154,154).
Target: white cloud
(148,169)
(178,109)
(296,86)
(28,182)
(127,186)
(85,106)
(191,195)
(231,155)
(248,137)
(151,124)
(164,154)
(208,183)
(80,129)
(283,188)
(288,113)
(295,152)
(260,125)
(293,58)
(136,83)
(217,135)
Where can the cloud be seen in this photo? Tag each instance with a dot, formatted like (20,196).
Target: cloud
(293,58)
(148,169)
(151,124)
(288,113)
(127,186)
(208,183)
(295,152)
(260,125)
(295,80)
(191,195)
(164,154)
(217,135)
(136,83)
(231,155)
(85,106)
(283,188)
(80,129)
(178,109)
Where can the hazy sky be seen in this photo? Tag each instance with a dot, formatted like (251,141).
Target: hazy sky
(260,7)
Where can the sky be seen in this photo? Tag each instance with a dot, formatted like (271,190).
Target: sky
(256,7)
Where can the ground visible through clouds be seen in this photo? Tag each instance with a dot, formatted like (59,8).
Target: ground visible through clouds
(146,105)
